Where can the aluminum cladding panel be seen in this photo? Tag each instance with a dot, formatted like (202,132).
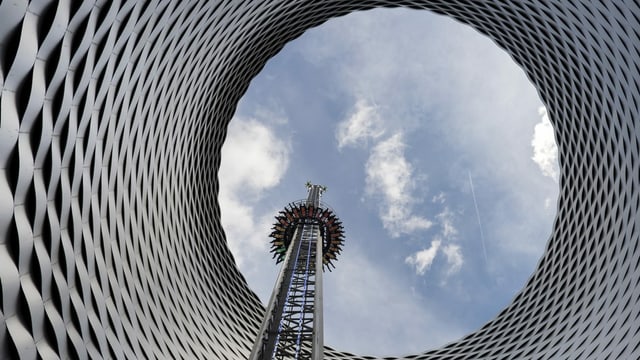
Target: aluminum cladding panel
(113,115)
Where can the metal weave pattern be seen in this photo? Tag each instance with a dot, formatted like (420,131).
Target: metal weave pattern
(113,115)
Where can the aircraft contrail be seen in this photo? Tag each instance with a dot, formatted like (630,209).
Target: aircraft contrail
(475,203)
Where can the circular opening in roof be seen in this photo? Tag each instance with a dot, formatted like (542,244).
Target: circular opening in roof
(438,158)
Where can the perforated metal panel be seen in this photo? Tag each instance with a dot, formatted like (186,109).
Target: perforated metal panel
(113,115)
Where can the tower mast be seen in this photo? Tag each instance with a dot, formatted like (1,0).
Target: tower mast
(306,237)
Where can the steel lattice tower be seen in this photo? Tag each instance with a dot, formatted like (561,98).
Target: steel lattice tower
(292,326)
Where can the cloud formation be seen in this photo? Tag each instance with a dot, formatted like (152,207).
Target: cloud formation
(423,259)
(443,243)
(453,253)
(445,218)
(545,150)
(364,124)
(390,176)
(254,160)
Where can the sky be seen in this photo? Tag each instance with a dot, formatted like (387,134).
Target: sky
(438,157)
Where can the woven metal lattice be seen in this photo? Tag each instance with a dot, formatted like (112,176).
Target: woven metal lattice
(113,115)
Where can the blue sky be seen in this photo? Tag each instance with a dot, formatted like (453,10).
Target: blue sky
(398,113)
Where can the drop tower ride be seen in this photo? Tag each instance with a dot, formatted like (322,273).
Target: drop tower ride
(307,236)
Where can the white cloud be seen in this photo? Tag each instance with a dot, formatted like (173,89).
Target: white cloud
(423,259)
(390,175)
(445,218)
(244,229)
(439,199)
(364,124)
(453,253)
(545,151)
(413,223)
(254,159)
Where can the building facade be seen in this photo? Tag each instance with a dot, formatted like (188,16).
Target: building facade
(113,116)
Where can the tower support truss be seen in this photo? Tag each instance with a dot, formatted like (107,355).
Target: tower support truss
(292,326)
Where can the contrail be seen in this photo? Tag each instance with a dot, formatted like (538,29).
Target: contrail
(475,203)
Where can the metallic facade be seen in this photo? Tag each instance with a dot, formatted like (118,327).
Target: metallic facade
(113,115)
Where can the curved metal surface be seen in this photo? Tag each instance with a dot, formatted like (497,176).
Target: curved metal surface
(113,115)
